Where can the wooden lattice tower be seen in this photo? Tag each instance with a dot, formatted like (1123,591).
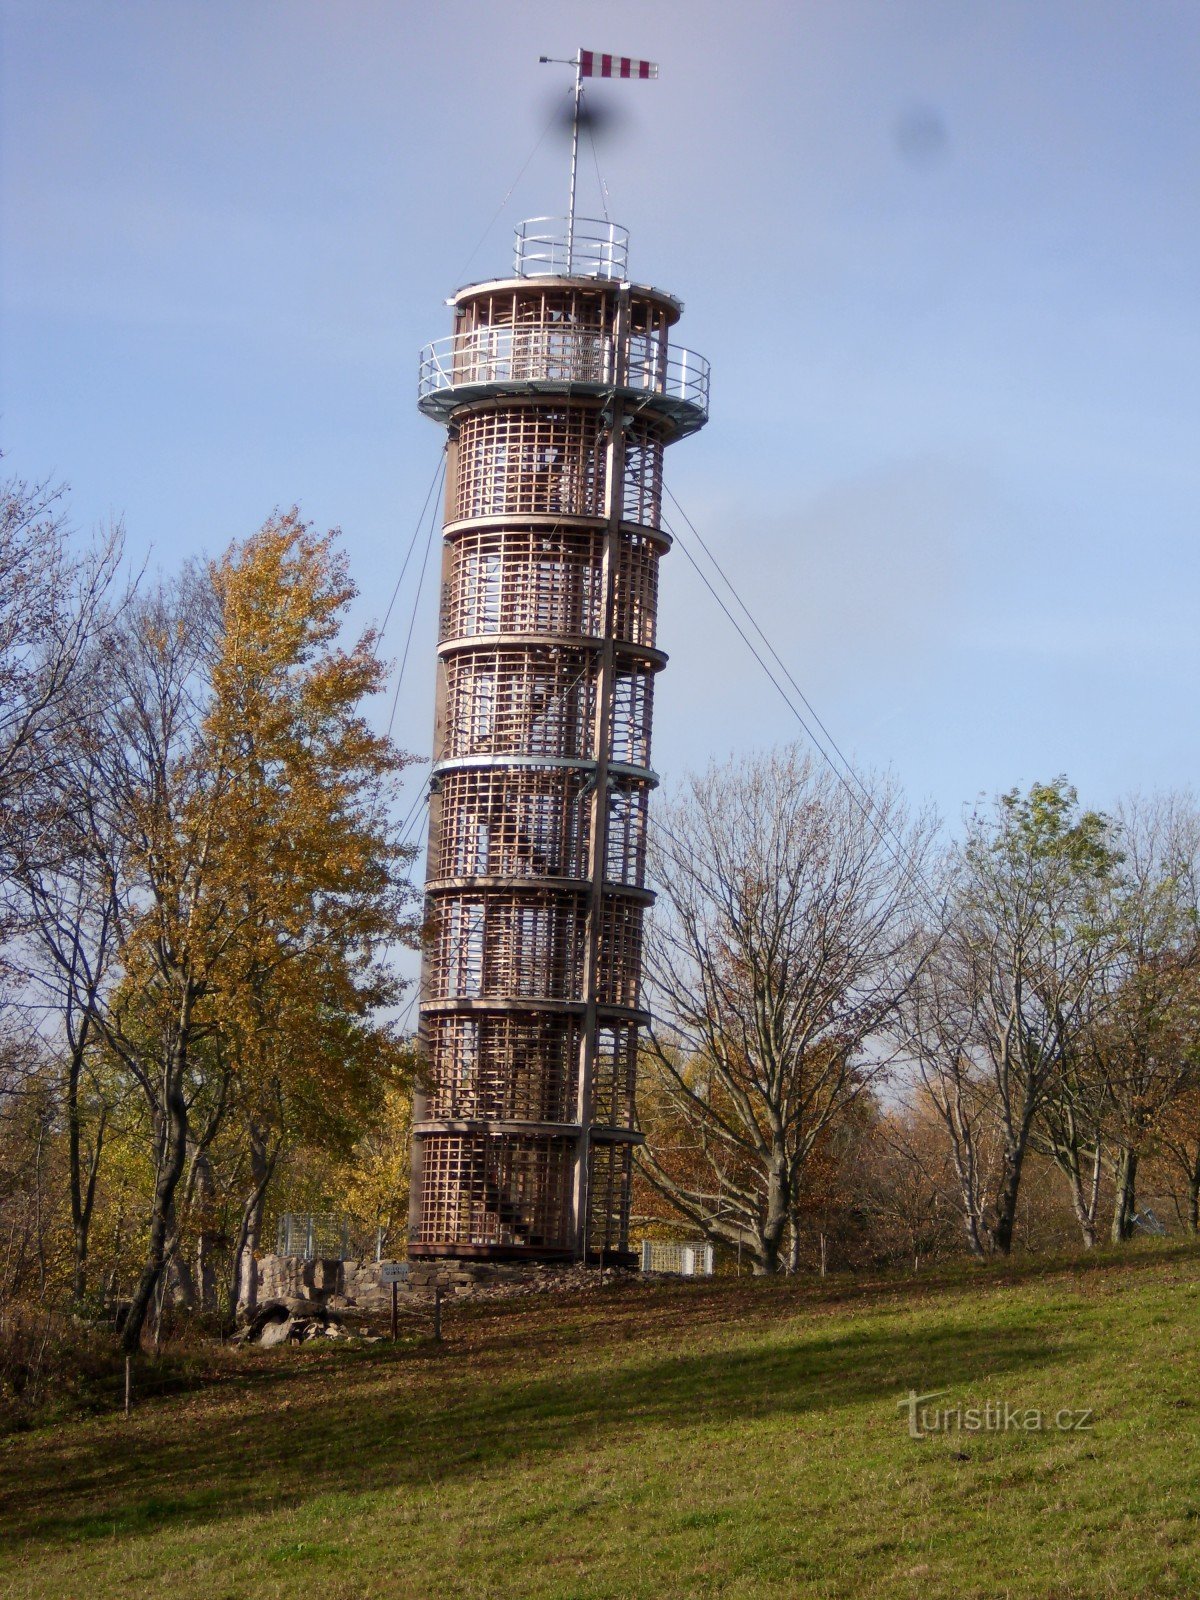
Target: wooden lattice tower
(560,390)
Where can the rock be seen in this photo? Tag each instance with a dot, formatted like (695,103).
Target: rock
(276,1333)
(269,1311)
(299,1307)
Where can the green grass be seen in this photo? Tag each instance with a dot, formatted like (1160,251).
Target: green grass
(732,1438)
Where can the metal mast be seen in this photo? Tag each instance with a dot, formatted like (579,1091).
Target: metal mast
(560,390)
(574,163)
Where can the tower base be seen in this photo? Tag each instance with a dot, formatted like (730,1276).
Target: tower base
(468,1278)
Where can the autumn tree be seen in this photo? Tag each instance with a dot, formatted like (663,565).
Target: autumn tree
(780,949)
(246,806)
(1177,1147)
(30,1161)
(1146,1044)
(321,1079)
(312,853)
(910,1185)
(375,1174)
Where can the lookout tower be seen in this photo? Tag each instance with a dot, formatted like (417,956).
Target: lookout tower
(560,388)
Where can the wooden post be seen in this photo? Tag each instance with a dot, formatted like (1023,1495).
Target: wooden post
(394,1288)
(437,1313)
(128,1382)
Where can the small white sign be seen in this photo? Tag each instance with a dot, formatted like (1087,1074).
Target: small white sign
(393,1271)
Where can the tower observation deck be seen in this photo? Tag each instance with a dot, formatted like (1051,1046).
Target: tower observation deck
(560,388)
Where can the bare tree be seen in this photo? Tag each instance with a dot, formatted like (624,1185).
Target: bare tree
(1005,1008)
(64,886)
(938,1030)
(57,607)
(910,1187)
(71,940)
(53,602)
(778,955)
(1072,1124)
(27,1155)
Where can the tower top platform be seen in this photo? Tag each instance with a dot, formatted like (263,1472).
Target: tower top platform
(545,332)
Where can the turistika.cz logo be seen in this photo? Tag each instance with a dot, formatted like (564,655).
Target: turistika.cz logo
(993,1416)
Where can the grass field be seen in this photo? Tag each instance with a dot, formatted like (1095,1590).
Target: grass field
(731,1438)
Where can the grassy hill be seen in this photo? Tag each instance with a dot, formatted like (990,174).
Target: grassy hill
(732,1438)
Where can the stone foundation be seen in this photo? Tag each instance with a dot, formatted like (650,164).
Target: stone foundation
(356,1283)
(348,1282)
(502,1278)
(294,1278)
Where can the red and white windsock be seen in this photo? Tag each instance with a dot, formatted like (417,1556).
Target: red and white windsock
(594,65)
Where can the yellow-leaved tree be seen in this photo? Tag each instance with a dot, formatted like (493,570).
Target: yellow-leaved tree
(261,881)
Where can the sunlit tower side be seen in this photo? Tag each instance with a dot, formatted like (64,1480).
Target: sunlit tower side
(560,390)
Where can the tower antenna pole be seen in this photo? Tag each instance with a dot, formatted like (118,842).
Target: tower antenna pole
(578,65)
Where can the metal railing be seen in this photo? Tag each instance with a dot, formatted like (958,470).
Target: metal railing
(596,250)
(562,355)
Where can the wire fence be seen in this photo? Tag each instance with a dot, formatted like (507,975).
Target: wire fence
(313,1235)
(684,1260)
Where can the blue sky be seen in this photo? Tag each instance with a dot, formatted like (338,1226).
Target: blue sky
(944,259)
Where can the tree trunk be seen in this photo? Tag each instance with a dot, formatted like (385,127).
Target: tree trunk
(39,1222)
(1006,1199)
(965,1170)
(1125,1198)
(243,1276)
(1187,1203)
(1083,1199)
(170,1170)
(240,1292)
(82,1184)
(248,1293)
(206,1273)
(79,1225)
(975,1242)
(1087,1225)
(778,1208)
(178,1284)
(205,1204)
(1094,1194)
(793,1260)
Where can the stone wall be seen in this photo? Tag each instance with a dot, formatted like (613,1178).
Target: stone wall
(294,1278)
(356,1283)
(499,1279)
(349,1282)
